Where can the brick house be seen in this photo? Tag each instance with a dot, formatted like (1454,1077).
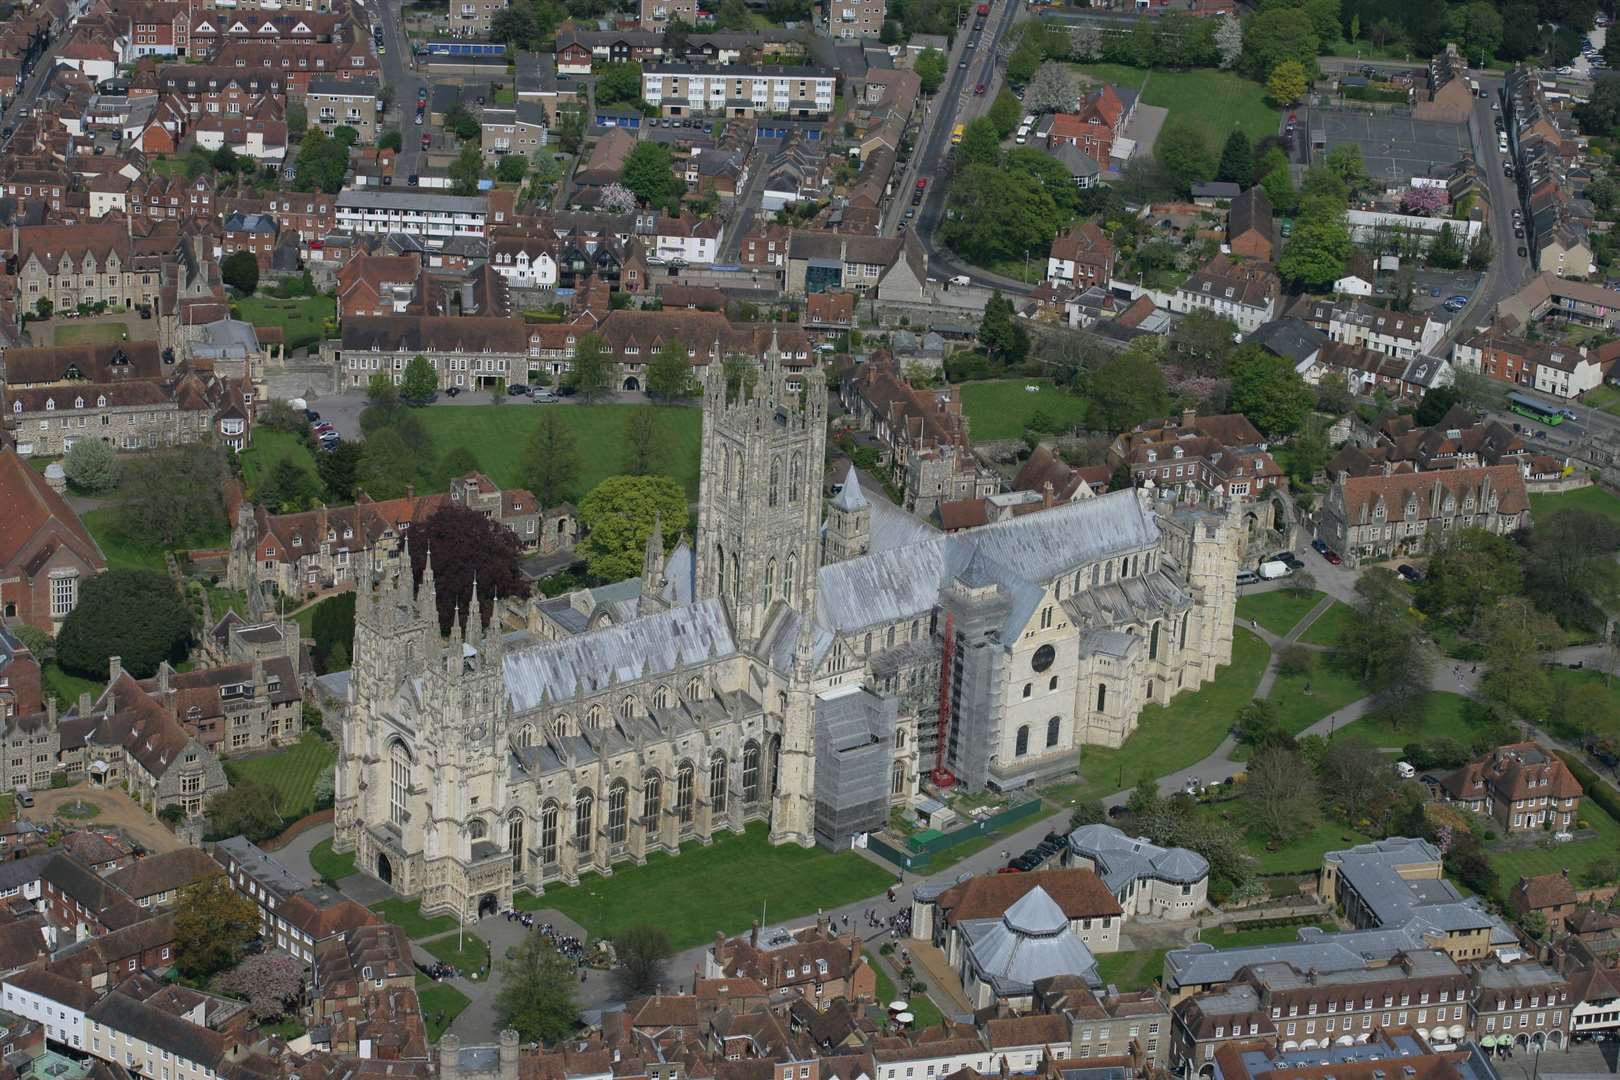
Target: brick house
(816,962)
(307,553)
(332,102)
(1525,1004)
(1198,456)
(1552,896)
(1524,786)
(1250,230)
(19,677)
(1082,256)
(156,881)
(46,553)
(1248,294)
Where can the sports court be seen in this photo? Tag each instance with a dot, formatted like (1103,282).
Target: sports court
(1392,146)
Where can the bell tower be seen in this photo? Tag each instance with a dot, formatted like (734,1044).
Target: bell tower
(759,511)
(849,522)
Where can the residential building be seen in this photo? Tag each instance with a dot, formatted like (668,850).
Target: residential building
(1393,333)
(522,130)
(1549,367)
(437,219)
(890,267)
(1083,256)
(295,917)
(1248,294)
(818,963)
(356,102)
(741,90)
(1382,517)
(186,408)
(46,553)
(1250,229)
(657,14)
(515,509)
(473,18)
(1196,457)
(1524,786)
(1526,1005)
(1551,896)
(73,265)
(855,18)
(1146,879)
(1368,372)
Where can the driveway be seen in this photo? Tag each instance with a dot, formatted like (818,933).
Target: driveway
(118,811)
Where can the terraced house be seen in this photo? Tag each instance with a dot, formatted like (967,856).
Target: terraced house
(1381,517)
(73,265)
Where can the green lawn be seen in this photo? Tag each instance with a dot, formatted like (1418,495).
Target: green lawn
(1002,408)
(303,320)
(268,448)
(1331,689)
(1136,970)
(89,333)
(1300,855)
(1171,738)
(923,1009)
(472,955)
(291,772)
(723,886)
(67,688)
(168,166)
(496,435)
(1277,610)
(1445,715)
(1217,101)
(1223,938)
(441,1004)
(330,865)
(1555,857)
(1604,721)
(408,914)
(122,553)
(1328,626)
(221,600)
(1591,498)
(1603,397)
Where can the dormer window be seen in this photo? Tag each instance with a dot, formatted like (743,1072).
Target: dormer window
(298,541)
(78,403)
(50,404)
(101,401)
(1152,456)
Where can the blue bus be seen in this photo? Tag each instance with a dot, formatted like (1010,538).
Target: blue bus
(1535,410)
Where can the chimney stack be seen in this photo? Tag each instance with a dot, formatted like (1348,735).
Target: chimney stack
(115,668)
(753,935)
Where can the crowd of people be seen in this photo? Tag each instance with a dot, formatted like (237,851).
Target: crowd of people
(571,947)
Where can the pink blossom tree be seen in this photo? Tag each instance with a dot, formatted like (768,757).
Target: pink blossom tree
(272,982)
(1426,201)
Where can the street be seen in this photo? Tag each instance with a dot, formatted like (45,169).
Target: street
(399,75)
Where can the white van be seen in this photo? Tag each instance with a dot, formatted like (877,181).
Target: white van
(1404,770)
(1022,137)
(961,279)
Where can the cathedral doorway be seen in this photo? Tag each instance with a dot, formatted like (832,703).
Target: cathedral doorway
(632,383)
(385,870)
(488,905)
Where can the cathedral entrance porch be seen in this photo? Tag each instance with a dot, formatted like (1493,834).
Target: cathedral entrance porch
(385,870)
(488,904)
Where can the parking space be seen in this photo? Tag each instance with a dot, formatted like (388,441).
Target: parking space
(1392,146)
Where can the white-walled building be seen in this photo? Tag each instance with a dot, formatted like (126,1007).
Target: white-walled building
(740,90)
(53,1000)
(1145,878)
(436,218)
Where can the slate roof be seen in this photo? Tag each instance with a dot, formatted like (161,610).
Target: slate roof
(1120,859)
(1031,941)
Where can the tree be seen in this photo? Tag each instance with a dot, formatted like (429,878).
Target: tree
(980,144)
(1144,796)
(332,627)
(173,498)
(1477,28)
(1052,90)
(999,333)
(930,69)
(1382,644)
(512,169)
(1278,180)
(1128,387)
(1202,342)
(459,461)
(669,376)
(240,270)
(1333,395)
(467,169)
(1000,213)
(1344,161)
(1515,638)
(1280,796)
(1286,83)
(1481,250)
(1571,572)
(1469,572)
(1354,776)
(43,307)
(271,981)
(212,925)
(1446,250)
(137,615)
(287,488)
(734,15)
(91,466)
(1310,457)
(617,517)
(1267,390)
(1521,32)
(643,951)
(618,83)
(339,469)
(1090,812)
(247,808)
(1182,152)
(391,140)
(649,172)
(1277,35)
(537,996)
(588,374)
(1237,159)
(645,441)
(466,547)
(387,465)
(1316,253)
(1258,725)
(1424,201)
(550,463)
(421,381)
(322,163)
(1601,871)
(1229,41)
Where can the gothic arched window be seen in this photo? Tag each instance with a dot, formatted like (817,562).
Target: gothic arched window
(584,811)
(1021,745)
(790,580)
(750,772)
(476,829)
(399,786)
(618,811)
(525,735)
(717,783)
(661,698)
(770,581)
(652,797)
(514,841)
(1053,727)
(627,709)
(593,717)
(683,792)
(795,477)
(694,689)
(548,832)
(776,482)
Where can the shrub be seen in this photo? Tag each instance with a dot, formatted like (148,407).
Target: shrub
(91,465)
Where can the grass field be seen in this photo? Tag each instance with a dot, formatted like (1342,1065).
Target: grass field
(1592,498)
(89,333)
(122,553)
(1331,690)
(1604,721)
(1300,855)
(496,435)
(1279,609)
(471,957)
(67,688)
(1216,100)
(292,772)
(1002,408)
(302,320)
(923,1009)
(441,1004)
(1173,737)
(329,864)
(1554,857)
(703,890)
(1222,938)
(270,447)
(1445,715)
(408,914)
(1136,970)
(1603,397)
(1328,625)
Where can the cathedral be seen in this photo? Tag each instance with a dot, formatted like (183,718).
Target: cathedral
(801,664)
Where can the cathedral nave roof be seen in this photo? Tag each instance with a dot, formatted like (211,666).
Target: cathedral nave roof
(1128,600)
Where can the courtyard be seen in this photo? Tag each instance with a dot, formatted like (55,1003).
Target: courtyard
(1392,146)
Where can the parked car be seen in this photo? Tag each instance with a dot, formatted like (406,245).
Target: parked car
(1247,577)
(1409,572)
(1320,546)
(517,389)
(452,391)
(544,394)
(311,415)
(1333,557)
(1523,252)
(1119,811)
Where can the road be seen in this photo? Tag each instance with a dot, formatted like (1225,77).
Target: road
(1508,270)
(399,74)
(32,84)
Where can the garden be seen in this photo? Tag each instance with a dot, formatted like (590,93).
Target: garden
(294,773)
(304,320)
(1005,408)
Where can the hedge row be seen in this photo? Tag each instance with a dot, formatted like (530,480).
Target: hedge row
(1596,789)
(1272,924)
